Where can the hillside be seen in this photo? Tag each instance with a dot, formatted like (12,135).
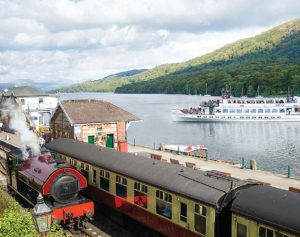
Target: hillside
(270,60)
(106,84)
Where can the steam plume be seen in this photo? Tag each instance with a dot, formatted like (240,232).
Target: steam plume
(18,123)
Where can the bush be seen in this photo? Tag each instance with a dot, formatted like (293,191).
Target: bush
(16,221)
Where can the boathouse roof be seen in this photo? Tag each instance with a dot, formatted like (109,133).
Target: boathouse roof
(94,111)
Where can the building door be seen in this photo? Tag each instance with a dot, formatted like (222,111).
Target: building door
(91,139)
(110,140)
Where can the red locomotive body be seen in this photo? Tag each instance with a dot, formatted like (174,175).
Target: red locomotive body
(60,185)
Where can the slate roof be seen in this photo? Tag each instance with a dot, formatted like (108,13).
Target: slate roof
(24,91)
(197,185)
(272,206)
(94,111)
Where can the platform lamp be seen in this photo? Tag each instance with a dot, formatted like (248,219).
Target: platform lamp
(41,215)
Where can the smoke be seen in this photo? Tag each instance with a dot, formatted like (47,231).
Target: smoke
(18,123)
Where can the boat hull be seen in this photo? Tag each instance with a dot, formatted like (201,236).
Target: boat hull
(182,117)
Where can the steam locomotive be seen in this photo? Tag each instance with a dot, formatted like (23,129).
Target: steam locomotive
(60,185)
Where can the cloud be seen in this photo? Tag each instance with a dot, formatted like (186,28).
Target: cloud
(89,39)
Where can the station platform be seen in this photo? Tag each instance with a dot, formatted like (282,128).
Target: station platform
(273,179)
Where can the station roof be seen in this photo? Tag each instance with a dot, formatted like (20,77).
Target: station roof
(272,206)
(24,91)
(197,185)
(94,111)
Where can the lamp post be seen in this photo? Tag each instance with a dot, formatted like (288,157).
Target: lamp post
(41,215)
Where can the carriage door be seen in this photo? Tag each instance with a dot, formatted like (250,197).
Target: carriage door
(12,173)
(241,230)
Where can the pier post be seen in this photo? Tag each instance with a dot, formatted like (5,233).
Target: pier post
(133,141)
(243,163)
(289,172)
(154,146)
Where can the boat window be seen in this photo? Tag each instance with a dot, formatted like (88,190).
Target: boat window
(218,111)
(246,111)
(225,110)
(253,111)
(200,219)
(164,204)
(274,111)
(104,180)
(267,110)
(140,195)
(269,101)
(232,110)
(297,110)
(241,230)
(282,110)
(239,110)
(260,111)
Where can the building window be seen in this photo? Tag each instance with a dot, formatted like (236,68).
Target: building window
(241,230)
(164,204)
(41,100)
(104,180)
(183,212)
(99,131)
(22,101)
(140,195)
(121,186)
(200,219)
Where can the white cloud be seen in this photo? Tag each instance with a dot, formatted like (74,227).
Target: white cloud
(89,39)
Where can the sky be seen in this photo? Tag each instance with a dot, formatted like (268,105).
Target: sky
(71,40)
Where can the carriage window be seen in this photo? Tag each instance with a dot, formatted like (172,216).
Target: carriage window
(140,195)
(121,186)
(94,176)
(183,212)
(265,232)
(200,219)
(164,204)
(241,230)
(104,180)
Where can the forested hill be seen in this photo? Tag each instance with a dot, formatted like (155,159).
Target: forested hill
(270,60)
(105,84)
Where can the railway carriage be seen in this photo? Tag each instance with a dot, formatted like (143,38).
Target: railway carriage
(181,202)
(173,200)
(263,211)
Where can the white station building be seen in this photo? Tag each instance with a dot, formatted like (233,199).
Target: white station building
(35,103)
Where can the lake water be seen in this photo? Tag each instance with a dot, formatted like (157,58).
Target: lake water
(274,145)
